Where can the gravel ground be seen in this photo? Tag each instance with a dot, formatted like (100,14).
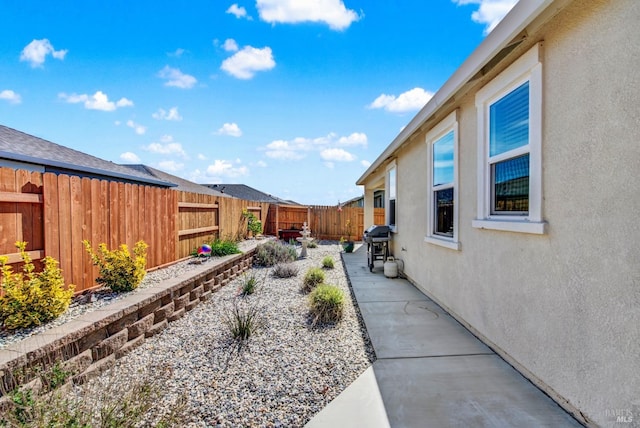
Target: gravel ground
(280,377)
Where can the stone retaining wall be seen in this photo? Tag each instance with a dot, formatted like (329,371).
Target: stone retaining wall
(91,343)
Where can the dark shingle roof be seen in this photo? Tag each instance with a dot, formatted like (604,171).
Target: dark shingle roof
(181,183)
(20,147)
(248,193)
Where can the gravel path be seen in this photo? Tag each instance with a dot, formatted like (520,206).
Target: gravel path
(281,377)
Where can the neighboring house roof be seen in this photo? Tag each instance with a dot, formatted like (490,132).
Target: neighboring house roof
(19,147)
(505,37)
(181,183)
(248,193)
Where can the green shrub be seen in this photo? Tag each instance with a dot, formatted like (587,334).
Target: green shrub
(326,303)
(249,284)
(243,321)
(118,270)
(285,270)
(273,252)
(312,278)
(224,247)
(312,244)
(32,298)
(254,225)
(327,262)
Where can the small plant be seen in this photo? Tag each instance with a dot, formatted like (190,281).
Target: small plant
(249,284)
(55,376)
(326,304)
(328,262)
(285,270)
(273,252)
(254,225)
(118,270)
(32,298)
(312,244)
(223,247)
(243,321)
(312,278)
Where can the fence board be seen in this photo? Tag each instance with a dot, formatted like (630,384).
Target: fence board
(8,213)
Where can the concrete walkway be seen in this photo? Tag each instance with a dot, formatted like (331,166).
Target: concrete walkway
(430,371)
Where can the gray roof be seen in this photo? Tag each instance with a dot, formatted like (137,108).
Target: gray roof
(20,147)
(181,183)
(248,193)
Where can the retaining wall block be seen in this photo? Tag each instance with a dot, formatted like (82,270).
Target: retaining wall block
(163,312)
(110,345)
(140,327)
(156,328)
(192,304)
(123,322)
(96,369)
(205,296)
(150,308)
(197,292)
(92,339)
(181,302)
(79,363)
(176,315)
(129,346)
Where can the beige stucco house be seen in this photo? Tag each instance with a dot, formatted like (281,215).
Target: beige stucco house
(513,197)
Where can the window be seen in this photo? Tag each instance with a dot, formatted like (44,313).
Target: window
(509,112)
(391,183)
(442,182)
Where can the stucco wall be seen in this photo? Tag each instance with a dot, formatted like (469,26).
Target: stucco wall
(565,305)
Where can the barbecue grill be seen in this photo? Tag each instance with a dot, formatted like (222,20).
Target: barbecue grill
(377,239)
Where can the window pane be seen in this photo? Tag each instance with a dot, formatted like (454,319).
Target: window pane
(509,121)
(444,212)
(392,212)
(443,160)
(511,185)
(392,183)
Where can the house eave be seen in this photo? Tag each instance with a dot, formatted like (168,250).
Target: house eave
(502,37)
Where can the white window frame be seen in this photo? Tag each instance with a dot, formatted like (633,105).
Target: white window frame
(387,184)
(526,68)
(448,124)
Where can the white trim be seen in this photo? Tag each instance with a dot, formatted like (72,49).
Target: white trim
(446,125)
(526,68)
(387,195)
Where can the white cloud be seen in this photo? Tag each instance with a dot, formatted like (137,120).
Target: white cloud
(97,101)
(177,53)
(130,157)
(166,147)
(330,165)
(170,165)
(365,163)
(36,52)
(172,114)
(10,96)
(411,100)
(298,147)
(245,63)
(176,78)
(490,12)
(261,164)
(231,129)
(139,129)
(230,45)
(224,168)
(355,139)
(238,11)
(201,156)
(338,155)
(331,12)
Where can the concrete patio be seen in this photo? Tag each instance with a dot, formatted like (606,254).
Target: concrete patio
(430,371)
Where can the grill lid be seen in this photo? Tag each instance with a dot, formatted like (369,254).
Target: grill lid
(377,231)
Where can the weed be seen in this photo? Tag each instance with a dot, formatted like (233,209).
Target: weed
(328,262)
(326,303)
(312,244)
(224,247)
(312,278)
(285,270)
(243,321)
(249,284)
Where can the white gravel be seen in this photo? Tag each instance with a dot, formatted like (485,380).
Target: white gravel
(281,377)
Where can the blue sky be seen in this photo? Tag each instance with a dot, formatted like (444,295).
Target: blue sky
(292,97)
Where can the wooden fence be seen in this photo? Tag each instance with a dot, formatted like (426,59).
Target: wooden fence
(326,222)
(55,213)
